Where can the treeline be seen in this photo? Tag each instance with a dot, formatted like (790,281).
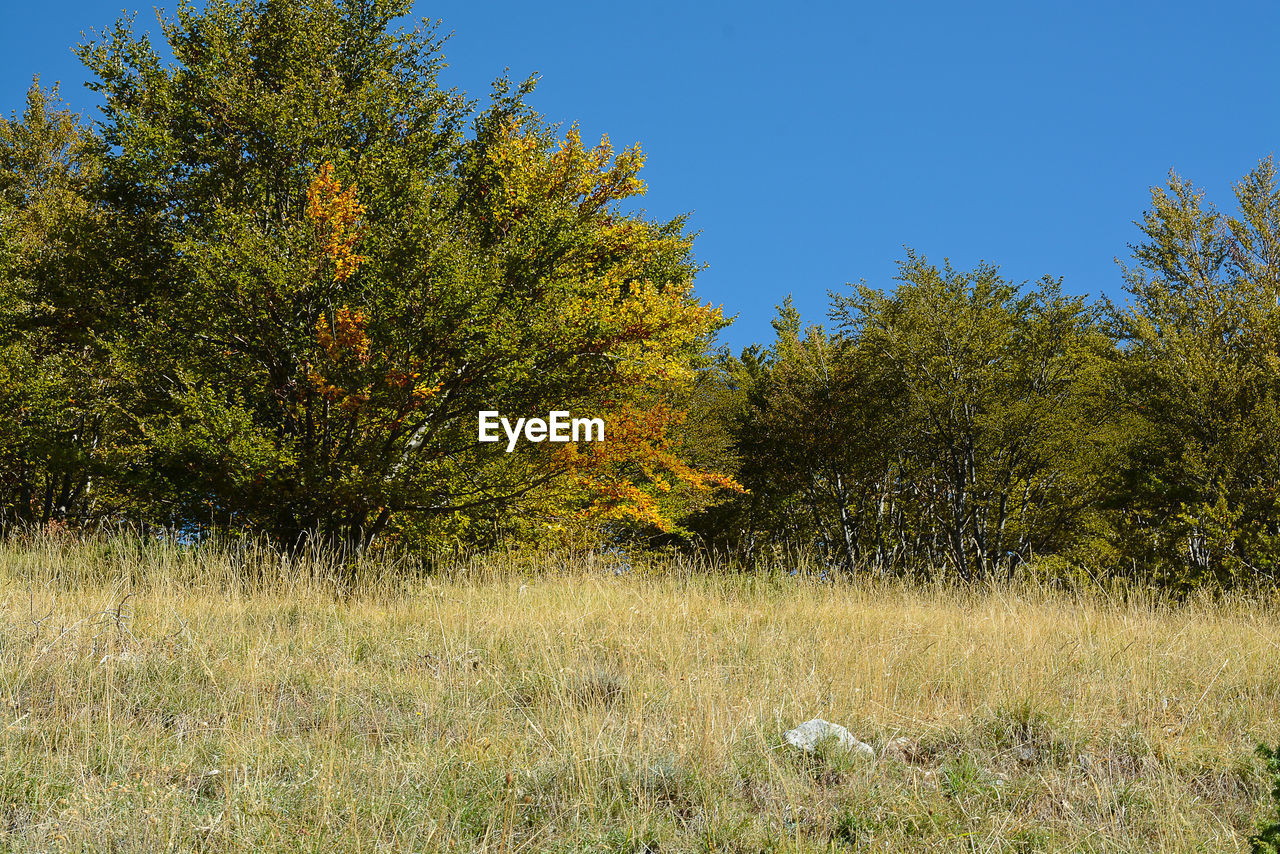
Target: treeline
(272,286)
(960,422)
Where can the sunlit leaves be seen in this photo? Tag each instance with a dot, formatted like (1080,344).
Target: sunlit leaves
(336,213)
(327,255)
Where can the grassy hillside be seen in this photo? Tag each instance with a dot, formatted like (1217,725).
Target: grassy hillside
(149,703)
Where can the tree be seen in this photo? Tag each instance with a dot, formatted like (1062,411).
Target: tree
(809,433)
(335,275)
(1197,498)
(996,384)
(954,422)
(58,398)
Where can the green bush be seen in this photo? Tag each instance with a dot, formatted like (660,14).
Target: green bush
(1267,839)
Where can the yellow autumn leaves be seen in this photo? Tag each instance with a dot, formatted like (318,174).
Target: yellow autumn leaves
(633,303)
(590,177)
(336,214)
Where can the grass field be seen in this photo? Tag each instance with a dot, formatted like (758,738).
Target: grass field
(150,702)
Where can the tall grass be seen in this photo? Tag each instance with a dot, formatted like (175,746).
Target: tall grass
(156,696)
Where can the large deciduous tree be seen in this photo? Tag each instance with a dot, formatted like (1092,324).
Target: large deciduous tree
(340,263)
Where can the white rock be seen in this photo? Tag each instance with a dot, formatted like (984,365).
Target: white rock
(810,734)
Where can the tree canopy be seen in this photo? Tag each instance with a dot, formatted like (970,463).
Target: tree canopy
(319,265)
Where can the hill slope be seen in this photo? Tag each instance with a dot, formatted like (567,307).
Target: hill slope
(151,705)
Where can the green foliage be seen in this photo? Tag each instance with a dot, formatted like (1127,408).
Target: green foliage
(1199,379)
(952,422)
(1267,839)
(961,421)
(57,383)
(338,263)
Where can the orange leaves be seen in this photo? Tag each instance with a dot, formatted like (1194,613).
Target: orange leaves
(344,341)
(419,391)
(345,401)
(630,475)
(348,334)
(624,298)
(336,215)
(422,392)
(349,376)
(350,362)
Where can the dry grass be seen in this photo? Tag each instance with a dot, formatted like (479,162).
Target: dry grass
(151,704)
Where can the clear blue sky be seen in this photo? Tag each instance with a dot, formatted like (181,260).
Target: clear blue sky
(811,141)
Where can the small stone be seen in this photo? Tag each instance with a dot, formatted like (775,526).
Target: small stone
(808,735)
